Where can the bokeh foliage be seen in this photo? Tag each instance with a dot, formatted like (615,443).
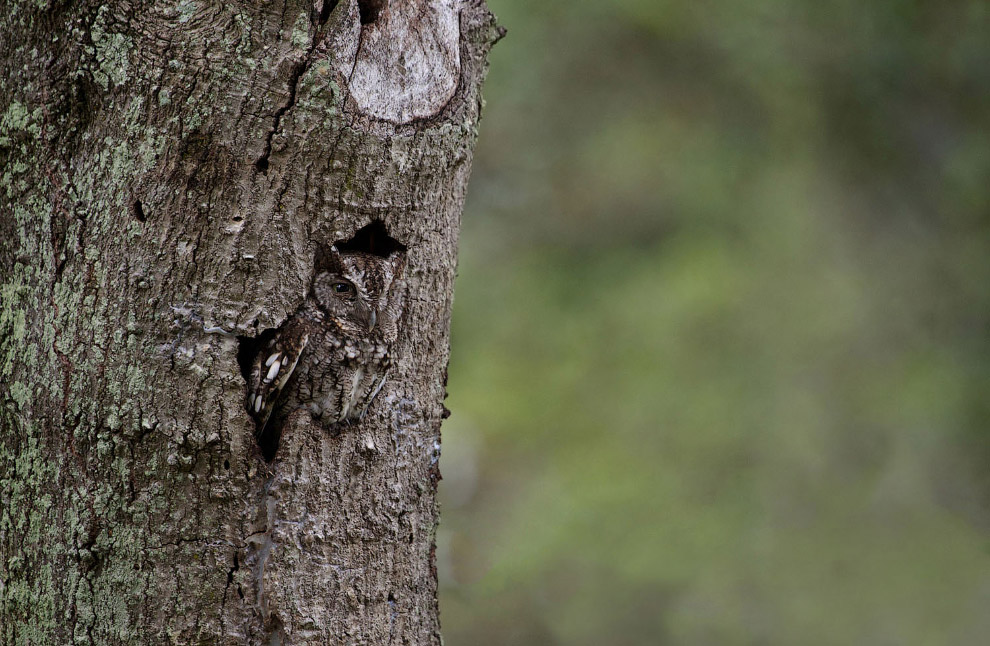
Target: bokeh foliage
(721,345)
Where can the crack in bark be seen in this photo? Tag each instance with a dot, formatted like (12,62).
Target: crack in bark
(325,11)
(297,71)
(226,589)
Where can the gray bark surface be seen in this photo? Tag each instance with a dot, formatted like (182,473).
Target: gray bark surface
(167,173)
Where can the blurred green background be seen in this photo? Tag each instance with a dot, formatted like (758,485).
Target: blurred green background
(721,339)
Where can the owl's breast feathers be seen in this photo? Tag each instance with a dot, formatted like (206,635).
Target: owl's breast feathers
(339,377)
(312,364)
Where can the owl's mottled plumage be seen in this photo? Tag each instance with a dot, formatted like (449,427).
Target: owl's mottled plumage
(332,355)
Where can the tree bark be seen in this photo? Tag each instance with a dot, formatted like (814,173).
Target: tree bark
(168,173)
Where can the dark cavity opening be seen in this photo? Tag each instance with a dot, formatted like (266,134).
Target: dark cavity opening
(373,239)
(262,164)
(370,10)
(138,210)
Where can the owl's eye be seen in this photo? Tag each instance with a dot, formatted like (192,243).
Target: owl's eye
(343,288)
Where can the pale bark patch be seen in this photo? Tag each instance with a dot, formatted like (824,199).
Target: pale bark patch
(407,62)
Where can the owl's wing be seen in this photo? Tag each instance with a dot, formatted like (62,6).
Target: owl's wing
(272,368)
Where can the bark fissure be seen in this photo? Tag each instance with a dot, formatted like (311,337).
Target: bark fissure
(297,71)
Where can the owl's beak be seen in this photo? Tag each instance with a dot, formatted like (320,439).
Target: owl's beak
(368,316)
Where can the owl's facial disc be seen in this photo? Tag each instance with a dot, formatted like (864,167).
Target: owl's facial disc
(346,304)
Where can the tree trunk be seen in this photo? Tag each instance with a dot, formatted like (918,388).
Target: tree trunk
(169,173)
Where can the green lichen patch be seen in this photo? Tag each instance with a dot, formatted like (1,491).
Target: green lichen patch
(13,324)
(112,52)
(300,32)
(17,118)
(186,9)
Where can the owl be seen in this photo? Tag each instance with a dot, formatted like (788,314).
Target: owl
(331,357)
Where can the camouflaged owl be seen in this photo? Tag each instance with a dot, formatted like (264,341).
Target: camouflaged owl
(332,356)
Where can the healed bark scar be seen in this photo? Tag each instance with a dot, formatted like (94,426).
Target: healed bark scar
(407,63)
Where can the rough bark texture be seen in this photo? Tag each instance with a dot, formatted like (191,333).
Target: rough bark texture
(167,173)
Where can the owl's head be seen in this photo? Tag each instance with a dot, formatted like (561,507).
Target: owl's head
(360,292)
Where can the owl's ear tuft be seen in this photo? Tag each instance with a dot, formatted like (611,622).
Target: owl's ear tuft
(328,260)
